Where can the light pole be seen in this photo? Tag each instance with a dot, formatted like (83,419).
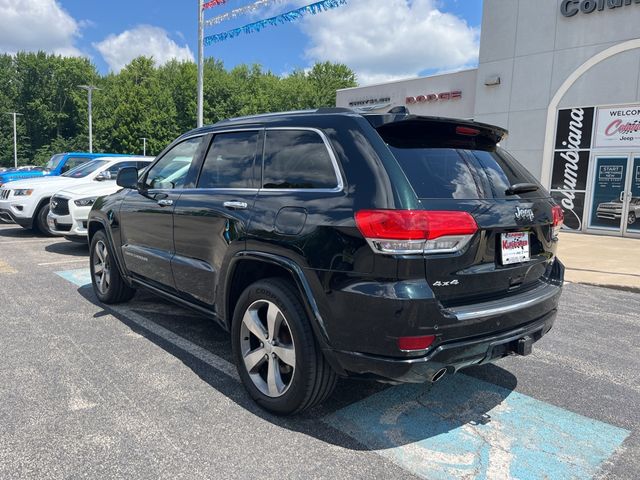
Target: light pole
(15,137)
(144,146)
(90,89)
(200,63)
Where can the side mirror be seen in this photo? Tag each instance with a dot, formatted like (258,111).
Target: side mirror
(103,176)
(127,177)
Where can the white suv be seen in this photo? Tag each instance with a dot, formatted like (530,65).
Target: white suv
(69,208)
(26,202)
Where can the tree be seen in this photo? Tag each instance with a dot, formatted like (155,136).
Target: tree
(142,100)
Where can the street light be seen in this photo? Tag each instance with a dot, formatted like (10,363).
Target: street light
(15,137)
(144,146)
(90,89)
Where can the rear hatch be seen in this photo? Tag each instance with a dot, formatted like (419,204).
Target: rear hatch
(457,166)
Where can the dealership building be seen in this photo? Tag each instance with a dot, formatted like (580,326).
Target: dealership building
(563,76)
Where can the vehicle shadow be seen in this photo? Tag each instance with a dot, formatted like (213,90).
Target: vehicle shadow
(470,406)
(72,249)
(17,232)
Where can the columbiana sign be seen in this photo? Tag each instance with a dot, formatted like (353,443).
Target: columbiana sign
(570,8)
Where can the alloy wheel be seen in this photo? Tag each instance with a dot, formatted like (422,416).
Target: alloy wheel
(102,267)
(267,348)
(631,219)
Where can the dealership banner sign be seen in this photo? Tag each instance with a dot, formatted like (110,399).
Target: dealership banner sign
(571,163)
(618,127)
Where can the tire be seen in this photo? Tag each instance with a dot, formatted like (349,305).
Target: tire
(632,218)
(306,383)
(108,284)
(40,221)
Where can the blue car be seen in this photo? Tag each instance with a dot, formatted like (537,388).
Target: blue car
(57,165)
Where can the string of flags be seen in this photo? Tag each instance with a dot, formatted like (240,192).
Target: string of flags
(287,17)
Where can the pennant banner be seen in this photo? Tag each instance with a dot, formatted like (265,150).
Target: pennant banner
(213,3)
(292,16)
(241,11)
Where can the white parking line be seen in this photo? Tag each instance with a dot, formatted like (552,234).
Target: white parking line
(40,240)
(61,262)
(200,353)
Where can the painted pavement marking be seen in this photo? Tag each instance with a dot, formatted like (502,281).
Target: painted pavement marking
(62,262)
(6,268)
(82,277)
(466,428)
(460,427)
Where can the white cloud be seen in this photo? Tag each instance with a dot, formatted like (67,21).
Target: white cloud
(391,39)
(147,40)
(31,25)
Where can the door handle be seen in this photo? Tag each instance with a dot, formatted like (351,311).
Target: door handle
(165,203)
(236,205)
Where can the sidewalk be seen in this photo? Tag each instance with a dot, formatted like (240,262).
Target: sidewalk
(598,260)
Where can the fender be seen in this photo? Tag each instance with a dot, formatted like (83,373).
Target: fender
(116,251)
(301,282)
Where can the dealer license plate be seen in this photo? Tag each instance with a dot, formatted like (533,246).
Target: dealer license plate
(515,248)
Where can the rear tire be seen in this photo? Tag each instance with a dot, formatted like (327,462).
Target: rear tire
(271,333)
(41,221)
(108,284)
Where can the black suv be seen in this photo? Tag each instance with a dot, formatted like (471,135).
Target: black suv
(330,243)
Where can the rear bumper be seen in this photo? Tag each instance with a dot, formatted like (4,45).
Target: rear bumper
(451,356)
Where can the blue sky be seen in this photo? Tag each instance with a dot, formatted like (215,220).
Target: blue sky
(380,39)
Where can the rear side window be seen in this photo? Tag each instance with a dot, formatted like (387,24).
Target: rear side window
(297,159)
(230,161)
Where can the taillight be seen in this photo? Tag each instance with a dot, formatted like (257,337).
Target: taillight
(558,220)
(402,232)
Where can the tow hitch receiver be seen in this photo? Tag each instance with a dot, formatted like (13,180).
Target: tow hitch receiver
(525,346)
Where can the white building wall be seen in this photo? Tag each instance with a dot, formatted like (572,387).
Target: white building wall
(397,93)
(534,49)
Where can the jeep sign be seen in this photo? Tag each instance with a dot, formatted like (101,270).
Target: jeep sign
(570,8)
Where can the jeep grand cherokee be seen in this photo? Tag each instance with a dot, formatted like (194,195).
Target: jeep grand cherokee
(330,243)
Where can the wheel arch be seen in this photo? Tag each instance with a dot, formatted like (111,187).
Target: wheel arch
(248,267)
(95,225)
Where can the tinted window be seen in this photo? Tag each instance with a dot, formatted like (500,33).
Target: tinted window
(73,162)
(297,159)
(462,174)
(502,171)
(172,169)
(438,172)
(229,163)
(85,169)
(114,169)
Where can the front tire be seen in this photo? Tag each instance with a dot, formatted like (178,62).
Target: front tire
(41,221)
(275,351)
(108,284)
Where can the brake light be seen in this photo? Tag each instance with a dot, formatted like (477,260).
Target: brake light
(409,344)
(467,131)
(558,220)
(401,232)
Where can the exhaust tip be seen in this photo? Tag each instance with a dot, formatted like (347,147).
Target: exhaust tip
(438,375)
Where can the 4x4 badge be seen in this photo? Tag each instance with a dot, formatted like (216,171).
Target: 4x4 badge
(524,214)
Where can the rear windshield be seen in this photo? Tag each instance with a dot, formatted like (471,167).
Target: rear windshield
(449,166)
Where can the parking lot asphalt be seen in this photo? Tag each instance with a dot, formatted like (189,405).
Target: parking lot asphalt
(147,390)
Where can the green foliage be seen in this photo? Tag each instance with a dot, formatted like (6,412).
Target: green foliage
(143,100)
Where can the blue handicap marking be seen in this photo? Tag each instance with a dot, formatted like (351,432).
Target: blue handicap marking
(80,277)
(462,427)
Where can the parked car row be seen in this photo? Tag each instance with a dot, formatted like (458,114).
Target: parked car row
(328,243)
(34,202)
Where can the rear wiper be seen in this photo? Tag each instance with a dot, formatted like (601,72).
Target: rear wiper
(521,188)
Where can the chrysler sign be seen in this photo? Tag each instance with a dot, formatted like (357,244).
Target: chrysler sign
(570,8)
